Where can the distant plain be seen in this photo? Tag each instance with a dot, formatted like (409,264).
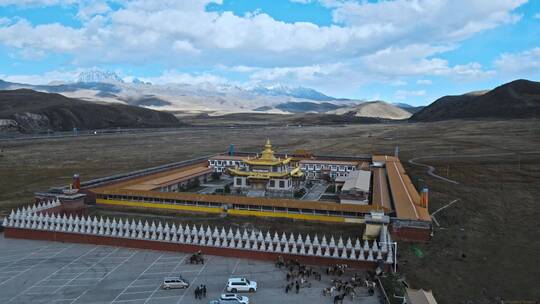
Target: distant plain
(485,249)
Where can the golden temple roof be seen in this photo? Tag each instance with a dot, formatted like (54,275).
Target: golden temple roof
(267,157)
(296,172)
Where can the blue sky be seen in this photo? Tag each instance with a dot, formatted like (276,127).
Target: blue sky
(399,51)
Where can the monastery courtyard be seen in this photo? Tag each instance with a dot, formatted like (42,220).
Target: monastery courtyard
(51,272)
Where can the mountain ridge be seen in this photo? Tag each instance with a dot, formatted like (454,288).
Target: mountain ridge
(374,109)
(297,92)
(201,97)
(517,99)
(26,110)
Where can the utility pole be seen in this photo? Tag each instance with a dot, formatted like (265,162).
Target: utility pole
(394,244)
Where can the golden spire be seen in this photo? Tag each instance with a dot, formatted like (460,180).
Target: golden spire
(267,153)
(268,144)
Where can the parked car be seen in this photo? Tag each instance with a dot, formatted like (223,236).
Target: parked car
(234,298)
(241,285)
(174,282)
(224,302)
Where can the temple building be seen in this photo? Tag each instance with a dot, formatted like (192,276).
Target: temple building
(330,169)
(354,188)
(266,175)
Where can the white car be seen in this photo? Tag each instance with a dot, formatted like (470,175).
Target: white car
(174,282)
(241,285)
(233,298)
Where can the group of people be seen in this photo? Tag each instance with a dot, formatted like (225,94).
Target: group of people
(297,270)
(347,287)
(297,274)
(292,285)
(196,258)
(338,269)
(200,292)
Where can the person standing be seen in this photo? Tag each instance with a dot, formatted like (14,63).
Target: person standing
(297,287)
(204,291)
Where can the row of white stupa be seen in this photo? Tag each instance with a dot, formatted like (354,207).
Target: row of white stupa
(245,240)
(41,206)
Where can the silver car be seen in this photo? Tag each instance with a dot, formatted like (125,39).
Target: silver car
(174,282)
(234,298)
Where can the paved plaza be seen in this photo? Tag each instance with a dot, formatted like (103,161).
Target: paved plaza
(51,272)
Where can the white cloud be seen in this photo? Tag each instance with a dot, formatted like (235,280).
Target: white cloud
(35,2)
(398,83)
(302,74)
(31,54)
(390,66)
(44,78)
(4,21)
(424,81)
(385,41)
(537,16)
(143,30)
(238,68)
(435,21)
(520,64)
(48,37)
(184,46)
(88,10)
(404,94)
(471,70)
(418,60)
(172,76)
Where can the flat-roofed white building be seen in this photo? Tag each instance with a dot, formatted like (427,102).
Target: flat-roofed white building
(356,187)
(220,163)
(315,169)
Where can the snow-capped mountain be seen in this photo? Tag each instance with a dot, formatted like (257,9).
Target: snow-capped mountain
(106,86)
(296,92)
(99,76)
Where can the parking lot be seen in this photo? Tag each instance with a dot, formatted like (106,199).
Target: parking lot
(51,272)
